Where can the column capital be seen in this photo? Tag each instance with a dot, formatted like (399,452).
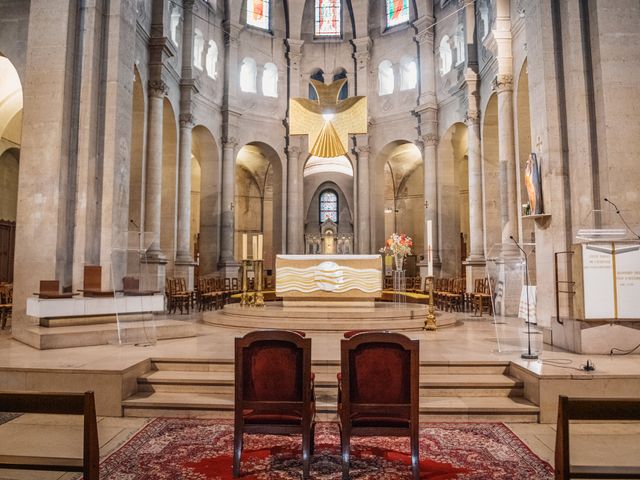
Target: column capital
(158,88)
(229,142)
(186,120)
(293,151)
(188,4)
(424,36)
(361,150)
(502,83)
(361,44)
(472,117)
(430,140)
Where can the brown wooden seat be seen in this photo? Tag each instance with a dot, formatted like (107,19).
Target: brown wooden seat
(6,304)
(274,391)
(176,297)
(92,282)
(618,409)
(56,403)
(482,297)
(378,391)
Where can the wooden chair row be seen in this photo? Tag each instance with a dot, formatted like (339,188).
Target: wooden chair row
(450,294)
(211,293)
(63,404)
(178,297)
(6,303)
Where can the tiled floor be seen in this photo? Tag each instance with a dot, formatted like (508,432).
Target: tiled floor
(472,339)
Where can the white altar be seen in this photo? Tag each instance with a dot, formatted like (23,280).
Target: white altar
(329,280)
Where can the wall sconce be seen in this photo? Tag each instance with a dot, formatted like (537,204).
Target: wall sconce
(426,204)
(231,206)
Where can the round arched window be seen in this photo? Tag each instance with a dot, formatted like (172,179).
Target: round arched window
(328,206)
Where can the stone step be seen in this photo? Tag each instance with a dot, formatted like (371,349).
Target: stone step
(430,385)
(147,404)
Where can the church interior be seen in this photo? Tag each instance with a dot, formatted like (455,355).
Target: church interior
(319,238)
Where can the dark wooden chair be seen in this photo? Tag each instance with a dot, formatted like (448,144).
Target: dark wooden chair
(618,409)
(481,297)
(378,391)
(6,303)
(274,391)
(57,403)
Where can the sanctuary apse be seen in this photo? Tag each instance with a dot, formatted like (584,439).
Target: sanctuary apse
(173,117)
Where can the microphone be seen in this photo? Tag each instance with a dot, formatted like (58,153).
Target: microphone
(517,245)
(622,218)
(134,223)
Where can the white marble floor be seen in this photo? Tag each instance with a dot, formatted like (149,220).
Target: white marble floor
(473,339)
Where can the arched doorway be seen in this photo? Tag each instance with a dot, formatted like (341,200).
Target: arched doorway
(453,177)
(205,200)
(10,143)
(399,200)
(258,199)
(493,214)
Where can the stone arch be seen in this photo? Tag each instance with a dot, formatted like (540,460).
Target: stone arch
(259,189)
(168,209)
(398,193)
(138,136)
(493,212)
(205,208)
(453,201)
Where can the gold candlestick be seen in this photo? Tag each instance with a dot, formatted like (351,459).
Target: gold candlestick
(244,296)
(430,322)
(257,278)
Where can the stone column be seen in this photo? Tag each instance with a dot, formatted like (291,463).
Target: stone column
(295,223)
(153,192)
(503,84)
(227,233)
(430,156)
(183,253)
(294,54)
(364,199)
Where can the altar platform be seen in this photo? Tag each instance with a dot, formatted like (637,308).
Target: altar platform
(381,316)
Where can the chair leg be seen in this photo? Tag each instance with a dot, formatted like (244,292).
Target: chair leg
(346,440)
(237,453)
(415,454)
(312,442)
(306,452)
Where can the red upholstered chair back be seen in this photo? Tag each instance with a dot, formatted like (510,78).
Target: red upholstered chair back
(272,366)
(272,371)
(379,371)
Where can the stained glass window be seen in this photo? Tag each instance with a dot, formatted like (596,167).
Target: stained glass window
(397,12)
(328,206)
(258,12)
(328,18)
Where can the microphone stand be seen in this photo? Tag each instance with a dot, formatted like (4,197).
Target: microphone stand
(622,218)
(529,355)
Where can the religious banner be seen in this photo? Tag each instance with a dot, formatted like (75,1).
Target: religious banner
(328,18)
(258,13)
(397,12)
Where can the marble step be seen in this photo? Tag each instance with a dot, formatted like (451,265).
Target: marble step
(432,385)
(329,366)
(148,404)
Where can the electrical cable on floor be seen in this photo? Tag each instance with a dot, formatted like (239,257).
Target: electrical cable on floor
(562,363)
(624,352)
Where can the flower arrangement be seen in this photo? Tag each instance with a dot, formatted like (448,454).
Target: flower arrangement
(398,244)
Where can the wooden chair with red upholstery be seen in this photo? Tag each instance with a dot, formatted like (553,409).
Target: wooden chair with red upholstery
(274,391)
(378,391)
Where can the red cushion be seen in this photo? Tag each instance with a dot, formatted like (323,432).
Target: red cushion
(272,418)
(273,372)
(379,420)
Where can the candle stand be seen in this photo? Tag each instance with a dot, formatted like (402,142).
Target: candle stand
(257,279)
(430,321)
(245,298)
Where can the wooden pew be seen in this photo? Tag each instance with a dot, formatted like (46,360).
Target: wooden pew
(591,409)
(63,404)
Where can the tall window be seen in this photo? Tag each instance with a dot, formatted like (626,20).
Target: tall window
(344,91)
(328,18)
(198,48)
(270,80)
(173,25)
(445,56)
(461,45)
(259,13)
(408,73)
(397,12)
(385,78)
(248,73)
(328,206)
(212,59)
(319,76)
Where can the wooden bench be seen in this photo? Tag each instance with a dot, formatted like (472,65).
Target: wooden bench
(591,409)
(63,404)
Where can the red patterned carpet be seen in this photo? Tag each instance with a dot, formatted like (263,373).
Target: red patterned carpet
(195,449)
